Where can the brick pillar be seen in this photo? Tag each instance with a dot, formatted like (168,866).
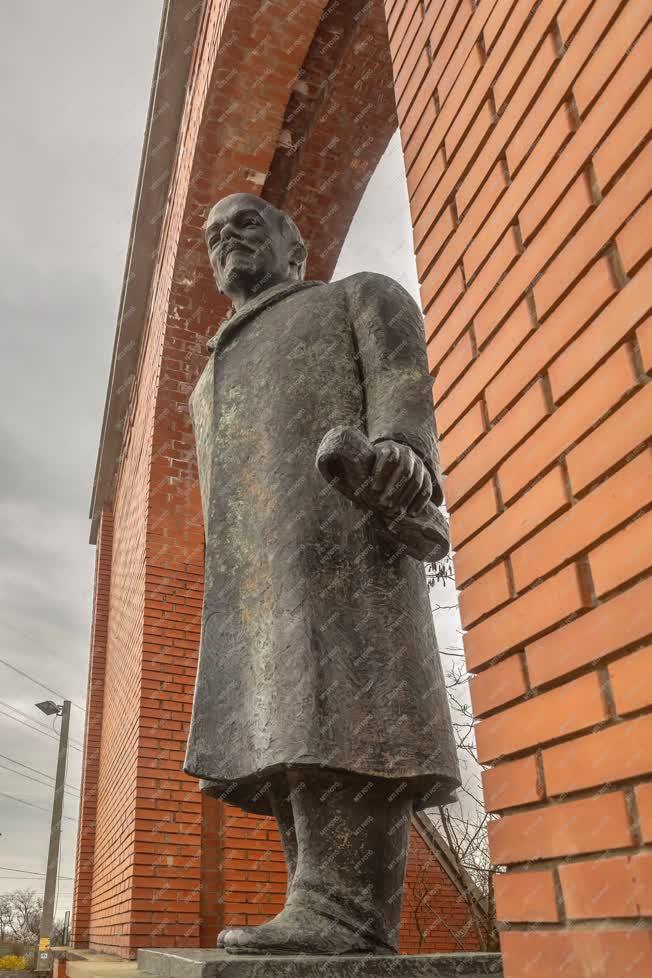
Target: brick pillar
(79,931)
(524,127)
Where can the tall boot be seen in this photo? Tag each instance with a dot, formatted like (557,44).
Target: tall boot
(347,890)
(282,810)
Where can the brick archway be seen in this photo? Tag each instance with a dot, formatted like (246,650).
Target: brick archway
(151,853)
(526,147)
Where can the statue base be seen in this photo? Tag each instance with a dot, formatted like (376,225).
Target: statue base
(165,963)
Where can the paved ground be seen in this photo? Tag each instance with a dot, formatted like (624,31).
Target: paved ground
(102,968)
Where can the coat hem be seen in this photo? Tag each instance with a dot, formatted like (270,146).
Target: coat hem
(254,793)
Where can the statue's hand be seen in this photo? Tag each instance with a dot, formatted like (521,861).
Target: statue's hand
(400,479)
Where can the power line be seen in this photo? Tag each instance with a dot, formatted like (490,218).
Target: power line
(40,730)
(50,730)
(34,720)
(36,729)
(30,872)
(32,805)
(23,880)
(30,778)
(39,683)
(27,776)
(26,766)
(71,740)
(34,770)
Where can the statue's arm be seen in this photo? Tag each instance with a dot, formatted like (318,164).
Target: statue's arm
(391,347)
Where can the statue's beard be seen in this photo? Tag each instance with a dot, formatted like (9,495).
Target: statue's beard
(244,272)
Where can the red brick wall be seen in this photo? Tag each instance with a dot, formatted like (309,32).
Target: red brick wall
(254,868)
(81,910)
(115,853)
(148,865)
(435,917)
(525,128)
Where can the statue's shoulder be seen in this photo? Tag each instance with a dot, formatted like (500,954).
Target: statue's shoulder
(369,282)
(378,289)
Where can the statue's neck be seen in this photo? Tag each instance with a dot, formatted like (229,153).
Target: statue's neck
(243,296)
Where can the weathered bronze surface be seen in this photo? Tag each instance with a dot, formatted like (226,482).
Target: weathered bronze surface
(320,696)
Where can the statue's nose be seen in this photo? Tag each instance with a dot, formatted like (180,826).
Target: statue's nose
(227,232)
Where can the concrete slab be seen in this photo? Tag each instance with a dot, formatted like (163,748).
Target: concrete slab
(191,963)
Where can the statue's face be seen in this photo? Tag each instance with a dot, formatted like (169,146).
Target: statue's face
(247,247)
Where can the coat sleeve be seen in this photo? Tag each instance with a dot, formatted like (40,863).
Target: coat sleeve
(391,349)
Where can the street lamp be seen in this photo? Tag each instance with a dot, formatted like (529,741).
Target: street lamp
(44,957)
(49,708)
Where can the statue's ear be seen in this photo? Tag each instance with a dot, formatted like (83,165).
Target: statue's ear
(298,254)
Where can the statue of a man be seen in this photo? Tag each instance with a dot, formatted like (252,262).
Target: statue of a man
(320,696)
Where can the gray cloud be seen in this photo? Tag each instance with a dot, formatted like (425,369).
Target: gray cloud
(75,79)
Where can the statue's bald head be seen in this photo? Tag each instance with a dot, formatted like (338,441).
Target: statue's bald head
(252,246)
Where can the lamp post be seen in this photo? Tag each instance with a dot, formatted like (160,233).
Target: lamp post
(44,957)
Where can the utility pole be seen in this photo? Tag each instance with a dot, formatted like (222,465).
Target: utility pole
(44,958)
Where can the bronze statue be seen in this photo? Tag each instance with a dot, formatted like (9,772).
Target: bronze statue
(320,696)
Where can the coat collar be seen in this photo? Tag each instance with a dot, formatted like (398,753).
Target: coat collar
(270,297)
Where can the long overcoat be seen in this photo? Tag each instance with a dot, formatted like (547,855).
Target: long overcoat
(317,645)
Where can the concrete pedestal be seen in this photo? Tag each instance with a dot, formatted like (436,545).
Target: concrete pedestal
(218,964)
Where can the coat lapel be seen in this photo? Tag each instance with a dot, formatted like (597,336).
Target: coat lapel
(231,326)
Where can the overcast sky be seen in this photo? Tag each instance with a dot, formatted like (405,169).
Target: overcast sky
(75,79)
